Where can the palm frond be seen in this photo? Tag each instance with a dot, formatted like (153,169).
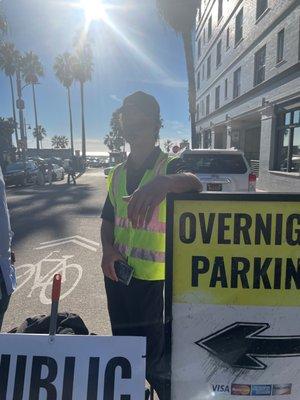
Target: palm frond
(31,68)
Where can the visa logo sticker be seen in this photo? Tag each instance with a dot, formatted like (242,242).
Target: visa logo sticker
(220,389)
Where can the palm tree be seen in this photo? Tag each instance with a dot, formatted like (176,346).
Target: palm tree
(181,16)
(64,73)
(114,140)
(167,145)
(184,144)
(9,58)
(3,24)
(59,142)
(82,71)
(32,69)
(6,131)
(39,133)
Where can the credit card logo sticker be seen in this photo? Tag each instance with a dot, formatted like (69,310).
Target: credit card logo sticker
(281,390)
(261,390)
(240,389)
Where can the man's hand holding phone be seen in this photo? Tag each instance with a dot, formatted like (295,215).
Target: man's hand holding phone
(110,256)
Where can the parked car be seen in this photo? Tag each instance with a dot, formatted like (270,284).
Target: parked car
(220,170)
(58,173)
(94,163)
(21,173)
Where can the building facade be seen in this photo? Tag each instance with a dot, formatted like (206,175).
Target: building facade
(248,84)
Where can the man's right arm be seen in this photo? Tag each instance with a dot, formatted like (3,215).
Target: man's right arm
(110,255)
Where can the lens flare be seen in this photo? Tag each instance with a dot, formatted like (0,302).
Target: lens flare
(94,10)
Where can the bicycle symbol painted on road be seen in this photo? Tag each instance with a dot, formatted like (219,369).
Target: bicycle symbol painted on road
(71,275)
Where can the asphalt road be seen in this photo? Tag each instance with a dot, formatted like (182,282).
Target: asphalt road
(57,229)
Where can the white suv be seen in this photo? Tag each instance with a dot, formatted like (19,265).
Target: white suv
(220,170)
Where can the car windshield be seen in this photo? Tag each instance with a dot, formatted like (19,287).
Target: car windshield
(215,163)
(15,167)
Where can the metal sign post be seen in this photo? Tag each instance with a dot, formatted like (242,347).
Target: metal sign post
(56,286)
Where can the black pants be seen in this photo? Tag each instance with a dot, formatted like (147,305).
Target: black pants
(71,175)
(137,310)
(4,300)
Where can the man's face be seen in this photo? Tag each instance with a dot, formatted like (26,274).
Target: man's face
(137,127)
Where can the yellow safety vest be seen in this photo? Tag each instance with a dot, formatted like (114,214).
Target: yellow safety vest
(144,248)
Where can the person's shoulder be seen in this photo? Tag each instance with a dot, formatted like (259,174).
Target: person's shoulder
(175,165)
(118,167)
(113,173)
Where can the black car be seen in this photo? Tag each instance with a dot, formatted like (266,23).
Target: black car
(21,173)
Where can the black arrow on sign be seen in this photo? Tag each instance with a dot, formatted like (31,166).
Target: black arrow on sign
(238,345)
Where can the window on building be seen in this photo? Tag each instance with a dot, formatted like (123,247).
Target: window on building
(198,80)
(203,71)
(198,114)
(259,66)
(217,98)
(219,53)
(288,141)
(207,104)
(226,89)
(280,45)
(208,71)
(199,47)
(202,108)
(239,26)
(261,6)
(209,28)
(237,83)
(220,9)
(227,37)
(199,14)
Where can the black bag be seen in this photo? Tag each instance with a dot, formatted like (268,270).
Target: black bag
(67,324)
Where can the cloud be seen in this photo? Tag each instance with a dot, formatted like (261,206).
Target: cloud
(115,97)
(175,130)
(92,145)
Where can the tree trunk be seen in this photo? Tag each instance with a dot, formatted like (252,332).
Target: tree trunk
(71,121)
(82,121)
(189,57)
(36,121)
(14,108)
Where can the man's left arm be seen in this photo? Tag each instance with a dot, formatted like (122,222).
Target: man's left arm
(144,200)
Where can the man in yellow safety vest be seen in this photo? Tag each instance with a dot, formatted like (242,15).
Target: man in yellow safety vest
(134,228)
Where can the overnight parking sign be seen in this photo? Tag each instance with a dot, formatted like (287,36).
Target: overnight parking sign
(71,367)
(233,296)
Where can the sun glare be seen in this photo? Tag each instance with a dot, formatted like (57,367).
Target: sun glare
(93,9)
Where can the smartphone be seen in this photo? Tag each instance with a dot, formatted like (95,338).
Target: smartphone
(124,272)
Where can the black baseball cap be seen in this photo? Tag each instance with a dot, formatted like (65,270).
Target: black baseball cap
(146,103)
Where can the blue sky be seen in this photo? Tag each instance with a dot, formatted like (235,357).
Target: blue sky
(137,52)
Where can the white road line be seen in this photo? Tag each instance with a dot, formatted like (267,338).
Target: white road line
(66,242)
(70,238)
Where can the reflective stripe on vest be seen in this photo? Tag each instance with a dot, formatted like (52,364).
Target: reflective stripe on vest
(154,225)
(147,255)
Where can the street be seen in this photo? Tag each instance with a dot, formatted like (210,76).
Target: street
(57,230)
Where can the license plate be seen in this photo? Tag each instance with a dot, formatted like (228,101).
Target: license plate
(214,187)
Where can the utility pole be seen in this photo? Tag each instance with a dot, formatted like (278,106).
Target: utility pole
(20,107)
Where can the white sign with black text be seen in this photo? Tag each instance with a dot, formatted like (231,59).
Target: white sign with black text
(72,367)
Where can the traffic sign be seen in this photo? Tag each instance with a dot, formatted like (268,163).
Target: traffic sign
(232,294)
(20,104)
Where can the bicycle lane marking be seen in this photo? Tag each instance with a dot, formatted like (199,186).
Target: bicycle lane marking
(42,282)
(78,240)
